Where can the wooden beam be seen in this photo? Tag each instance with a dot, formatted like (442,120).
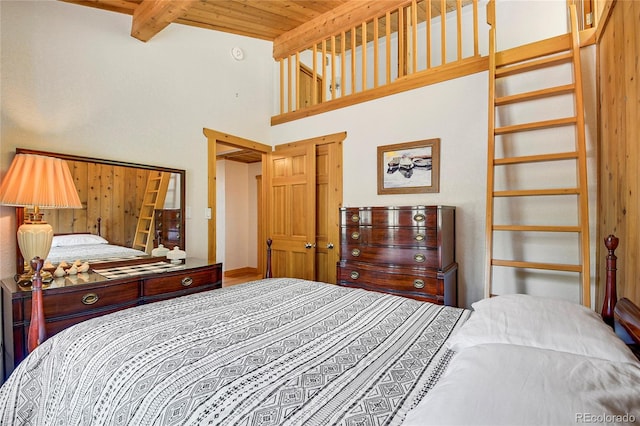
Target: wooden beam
(342,18)
(152,16)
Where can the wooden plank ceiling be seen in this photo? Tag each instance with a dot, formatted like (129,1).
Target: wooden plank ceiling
(263,19)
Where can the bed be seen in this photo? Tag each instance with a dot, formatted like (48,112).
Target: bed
(88,248)
(284,351)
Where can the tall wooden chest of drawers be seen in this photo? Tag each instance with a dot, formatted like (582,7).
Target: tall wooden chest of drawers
(408,251)
(169,228)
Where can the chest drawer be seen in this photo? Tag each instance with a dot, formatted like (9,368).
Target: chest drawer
(390,216)
(390,236)
(418,257)
(88,299)
(417,284)
(179,282)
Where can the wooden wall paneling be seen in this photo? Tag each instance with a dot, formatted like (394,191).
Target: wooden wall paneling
(79,171)
(619,117)
(93,196)
(118,206)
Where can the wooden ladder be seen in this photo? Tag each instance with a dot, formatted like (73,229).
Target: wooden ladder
(524,62)
(154,196)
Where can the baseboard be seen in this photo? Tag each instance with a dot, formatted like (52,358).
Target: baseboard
(240,272)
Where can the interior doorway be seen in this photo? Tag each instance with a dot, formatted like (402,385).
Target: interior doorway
(321,243)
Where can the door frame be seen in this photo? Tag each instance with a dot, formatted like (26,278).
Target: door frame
(213,137)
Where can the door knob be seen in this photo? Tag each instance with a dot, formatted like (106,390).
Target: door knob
(309,245)
(330,245)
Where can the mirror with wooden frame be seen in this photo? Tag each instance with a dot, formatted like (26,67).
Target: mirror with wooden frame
(115,197)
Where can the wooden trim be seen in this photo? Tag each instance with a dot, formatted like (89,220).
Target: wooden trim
(241,271)
(213,137)
(318,140)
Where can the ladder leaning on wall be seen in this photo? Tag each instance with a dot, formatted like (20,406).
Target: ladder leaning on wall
(154,196)
(524,62)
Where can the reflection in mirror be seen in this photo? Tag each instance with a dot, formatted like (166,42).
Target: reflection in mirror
(130,206)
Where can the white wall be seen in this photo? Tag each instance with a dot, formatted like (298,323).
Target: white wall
(456,112)
(73,80)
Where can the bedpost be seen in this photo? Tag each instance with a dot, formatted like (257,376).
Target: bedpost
(37,332)
(610,296)
(268,273)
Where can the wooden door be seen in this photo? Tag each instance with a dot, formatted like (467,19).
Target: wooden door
(291,211)
(328,202)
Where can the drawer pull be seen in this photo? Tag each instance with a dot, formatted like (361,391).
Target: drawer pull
(355,235)
(419,258)
(420,237)
(355,275)
(355,252)
(355,218)
(418,283)
(90,298)
(186,281)
(419,217)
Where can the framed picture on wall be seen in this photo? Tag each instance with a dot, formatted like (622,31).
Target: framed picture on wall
(409,167)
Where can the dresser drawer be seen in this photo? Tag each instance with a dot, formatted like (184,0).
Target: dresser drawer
(390,216)
(88,299)
(408,282)
(398,256)
(179,282)
(390,236)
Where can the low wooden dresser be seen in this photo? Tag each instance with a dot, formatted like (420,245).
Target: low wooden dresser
(72,299)
(408,251)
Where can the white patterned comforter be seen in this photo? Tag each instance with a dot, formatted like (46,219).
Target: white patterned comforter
(270,352)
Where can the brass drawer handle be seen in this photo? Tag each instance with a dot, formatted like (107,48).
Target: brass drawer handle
(419,258)
(419,217)
(355,252)
(418,283)
(90,298)
(355,218)
(186,281)
(355,275)
(419,237)
(355,235)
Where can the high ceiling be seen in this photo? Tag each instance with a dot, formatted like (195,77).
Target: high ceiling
(292,25)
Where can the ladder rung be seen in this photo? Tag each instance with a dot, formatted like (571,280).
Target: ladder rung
(537,228)
(146,217)
(533,65)
(547,124)
(537,49)
(536,192)
(536,158)
(537,265)
(140,245)
(536,94)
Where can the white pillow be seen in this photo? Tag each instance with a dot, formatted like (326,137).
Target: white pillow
(559,325)
(77,239)
(516,385)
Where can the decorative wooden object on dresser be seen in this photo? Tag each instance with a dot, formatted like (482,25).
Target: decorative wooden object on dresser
(75,299)
(409,251)
(169,225)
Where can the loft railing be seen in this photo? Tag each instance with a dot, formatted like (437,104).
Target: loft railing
(414,44)
(398,50)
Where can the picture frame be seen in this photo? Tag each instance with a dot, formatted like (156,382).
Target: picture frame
(409,167)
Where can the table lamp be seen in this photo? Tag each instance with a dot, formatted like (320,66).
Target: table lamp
(38,181)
